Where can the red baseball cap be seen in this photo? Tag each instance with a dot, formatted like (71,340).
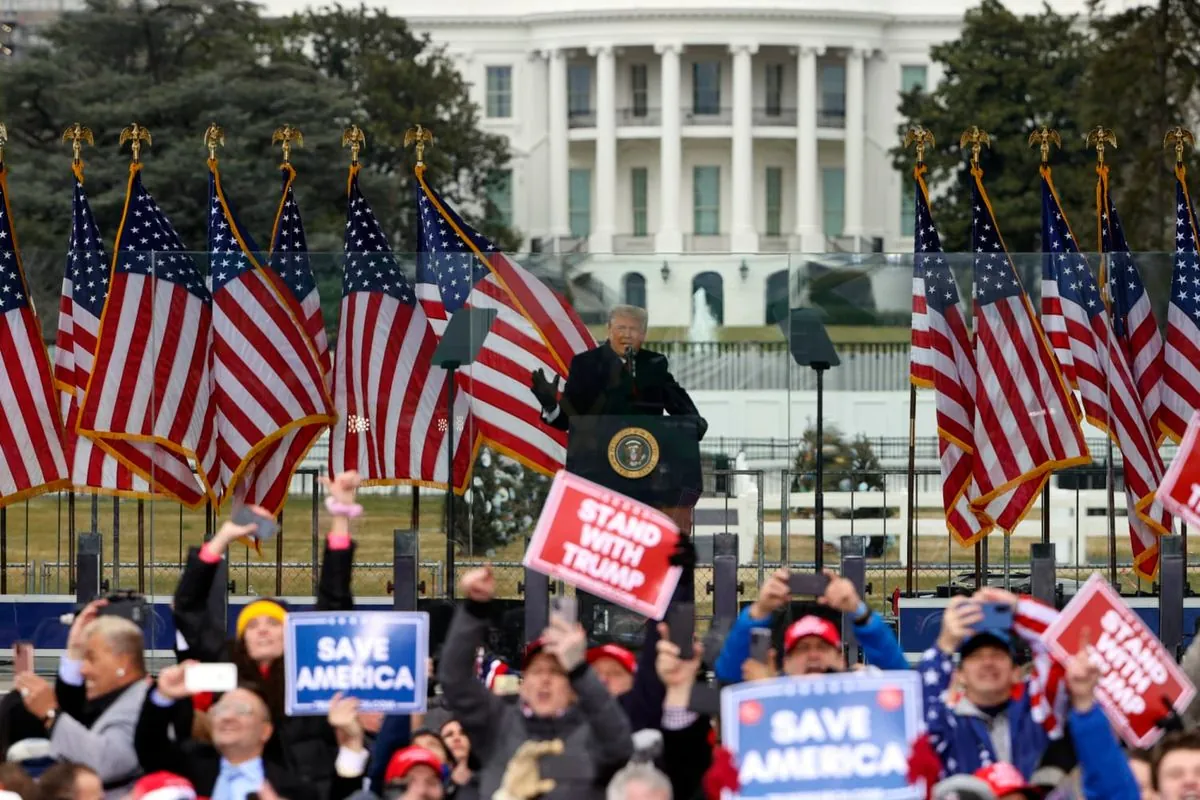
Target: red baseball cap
(406,758)
(531,650)
(1004,779)
(163,786)
(617,653)
(811,625)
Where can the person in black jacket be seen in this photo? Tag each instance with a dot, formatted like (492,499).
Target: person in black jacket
(304,745)
(616,378)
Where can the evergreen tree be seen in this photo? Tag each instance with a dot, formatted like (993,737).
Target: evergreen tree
(1008,74)
(501,506)
(847,465)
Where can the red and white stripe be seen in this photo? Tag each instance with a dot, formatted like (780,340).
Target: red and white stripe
(920,368)
(1048,695)
(391,401)
(267,380)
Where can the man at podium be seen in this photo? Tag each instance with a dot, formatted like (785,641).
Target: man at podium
(618,378)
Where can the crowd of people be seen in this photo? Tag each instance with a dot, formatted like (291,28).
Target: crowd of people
(568,722)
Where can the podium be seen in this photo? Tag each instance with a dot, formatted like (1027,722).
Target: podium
(652,459)
(655,460)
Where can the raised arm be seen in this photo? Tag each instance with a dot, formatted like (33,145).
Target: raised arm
(334,592)
(473,705)
(204,636)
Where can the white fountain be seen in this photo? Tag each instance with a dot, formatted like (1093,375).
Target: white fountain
(704,324)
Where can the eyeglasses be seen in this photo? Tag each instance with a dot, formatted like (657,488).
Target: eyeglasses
(230,709)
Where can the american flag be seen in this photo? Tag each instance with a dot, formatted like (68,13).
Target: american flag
(1133,318)
(1077,323)
(392,423)
(150,377)
(84,290)
(32,460)
(268,384)
(1181,356)
(1026,422)
(920,367)
(951,365)
(289,260)
(535,329)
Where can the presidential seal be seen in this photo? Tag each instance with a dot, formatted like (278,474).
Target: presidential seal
(633,453)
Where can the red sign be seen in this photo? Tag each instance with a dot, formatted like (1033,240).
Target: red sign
(1179,491)
(605,543)
(1138,677)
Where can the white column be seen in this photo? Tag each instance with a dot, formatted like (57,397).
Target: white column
(809,236)
(743,232)
(669,238)
(605,220)
(560,221)
(855,142)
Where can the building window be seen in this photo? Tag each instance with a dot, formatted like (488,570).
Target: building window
(499,92)
(913,76)
(774,201)
(908,211)
(774,90)
(579,90)
(833,94)
(833,187)
(640,181)
(714,295)
(706,87)
(580,203)
(639,80)
(778,297)
(706,201)
(500,197)
(634,289)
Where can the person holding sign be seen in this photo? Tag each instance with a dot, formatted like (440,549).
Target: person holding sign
(305,745)
(560,698)
(990,723)
(812,644)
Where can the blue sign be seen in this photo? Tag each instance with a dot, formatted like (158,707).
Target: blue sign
(844,735)
(377,657)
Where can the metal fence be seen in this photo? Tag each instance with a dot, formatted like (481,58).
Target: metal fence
(865,366)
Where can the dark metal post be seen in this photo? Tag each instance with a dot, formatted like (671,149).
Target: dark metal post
(819,499)
(141,545)
(450,577)
(910,542)
(316,535)
(70,544)
(1170,593)
(87,568)
(537,603)
(725,582)
(404,570)
(4,550)
(116,569)
(1042,578)
(278,558)
(854,568)
(1046,511)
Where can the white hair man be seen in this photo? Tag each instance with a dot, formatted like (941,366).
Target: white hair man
(639,781)
(618,378)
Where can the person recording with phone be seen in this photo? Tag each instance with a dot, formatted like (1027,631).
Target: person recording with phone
(560,698)
(306,745)
(998,718)
(617,378)
(813,643)
(89,716)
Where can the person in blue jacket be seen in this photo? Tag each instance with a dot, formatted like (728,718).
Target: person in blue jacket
(1103,764)
(812,645)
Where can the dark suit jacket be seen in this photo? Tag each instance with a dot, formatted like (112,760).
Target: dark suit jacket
(599,382)
(200,763)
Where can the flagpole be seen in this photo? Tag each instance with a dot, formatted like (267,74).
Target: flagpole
(1098,137)
(1179,137)
(922,138)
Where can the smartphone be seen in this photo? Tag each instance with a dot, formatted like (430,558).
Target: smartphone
(760,645)
(996,617)
(22,658)
(210,678)
(267,527)
(705,699)
(812,584)
(681,624)
(566,608)
(505,685)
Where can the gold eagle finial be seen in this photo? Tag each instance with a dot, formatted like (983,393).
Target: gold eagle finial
(214,137)
(78,136)
(977,138)
(136,134)
(1044,138)
(1100,137)
(421,137)
(354,138)
(287,136)
(1180,137)
(922,138)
